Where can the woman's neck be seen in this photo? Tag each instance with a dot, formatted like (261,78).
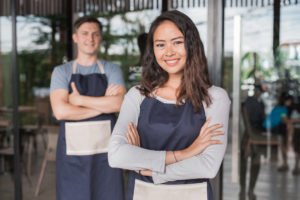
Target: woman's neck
(173,82)
(169,90)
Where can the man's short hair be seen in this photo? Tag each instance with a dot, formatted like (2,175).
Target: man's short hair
(86,19)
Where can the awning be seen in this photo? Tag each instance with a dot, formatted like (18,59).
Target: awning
(53,7)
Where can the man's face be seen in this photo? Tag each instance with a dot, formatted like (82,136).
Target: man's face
(88,38)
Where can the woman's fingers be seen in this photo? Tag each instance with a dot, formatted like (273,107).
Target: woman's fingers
(135,133)
(208,129)
(132,135)
(129,138)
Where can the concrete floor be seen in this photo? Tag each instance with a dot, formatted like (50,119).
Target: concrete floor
(271,185)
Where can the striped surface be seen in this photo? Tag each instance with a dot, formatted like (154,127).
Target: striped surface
(54,7)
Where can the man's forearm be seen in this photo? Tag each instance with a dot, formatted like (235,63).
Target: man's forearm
(67,111)
(104,104)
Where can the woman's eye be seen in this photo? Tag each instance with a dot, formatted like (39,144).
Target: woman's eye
(160,45)
(176,43)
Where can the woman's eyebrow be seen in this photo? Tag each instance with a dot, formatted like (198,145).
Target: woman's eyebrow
(180,37)
(176,38)
(159,40)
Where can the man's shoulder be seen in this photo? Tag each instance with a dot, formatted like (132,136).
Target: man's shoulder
(65,67)
(109,65)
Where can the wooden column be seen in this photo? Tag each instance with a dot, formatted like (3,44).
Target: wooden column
(165,5)
(276,30)
(69,29)
(215,43)
(15,98)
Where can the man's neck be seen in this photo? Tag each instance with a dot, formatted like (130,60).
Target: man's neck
(86,60)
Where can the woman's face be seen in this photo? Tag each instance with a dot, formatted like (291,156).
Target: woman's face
(169,49)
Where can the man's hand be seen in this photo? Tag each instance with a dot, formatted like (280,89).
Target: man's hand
(113,90)
(74,97)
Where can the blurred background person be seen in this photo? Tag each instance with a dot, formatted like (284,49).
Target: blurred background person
(278,121)
(254,108)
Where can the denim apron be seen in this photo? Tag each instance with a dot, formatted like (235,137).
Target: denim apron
(164,126)
(86,175)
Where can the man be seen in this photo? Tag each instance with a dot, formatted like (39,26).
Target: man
(254,108)
(85,94)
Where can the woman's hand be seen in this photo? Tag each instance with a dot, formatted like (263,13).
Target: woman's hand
(133,135)
(134,139)
(144,172)
(205,139)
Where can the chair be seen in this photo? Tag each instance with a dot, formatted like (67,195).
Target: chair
(6,150)
(29,134)
(50,154)
(252,146)
(256,137)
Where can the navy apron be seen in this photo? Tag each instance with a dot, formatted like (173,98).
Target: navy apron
(169,127)
(87,177)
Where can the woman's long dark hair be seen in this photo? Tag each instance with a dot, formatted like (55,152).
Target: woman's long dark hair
(195,80)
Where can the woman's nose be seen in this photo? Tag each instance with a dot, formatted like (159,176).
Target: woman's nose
(169,50)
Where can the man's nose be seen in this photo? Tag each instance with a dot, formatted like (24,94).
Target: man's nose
(91,37)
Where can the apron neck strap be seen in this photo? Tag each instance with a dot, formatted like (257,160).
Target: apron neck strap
(100,66)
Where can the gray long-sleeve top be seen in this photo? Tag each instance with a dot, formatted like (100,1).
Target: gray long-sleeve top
(204,165)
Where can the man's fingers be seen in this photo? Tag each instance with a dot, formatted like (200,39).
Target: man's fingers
(74,89)
(113,89)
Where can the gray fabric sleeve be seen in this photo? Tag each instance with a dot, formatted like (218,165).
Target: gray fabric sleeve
(126,156)
(114,74)
(206,164)
(60,77)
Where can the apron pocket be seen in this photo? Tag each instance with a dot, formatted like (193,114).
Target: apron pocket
(149,191)
(87,138)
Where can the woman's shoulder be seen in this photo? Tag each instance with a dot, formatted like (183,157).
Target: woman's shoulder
(134,93)
(219,99)
(218,93)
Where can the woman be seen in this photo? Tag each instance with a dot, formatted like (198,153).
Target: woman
(164,132)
